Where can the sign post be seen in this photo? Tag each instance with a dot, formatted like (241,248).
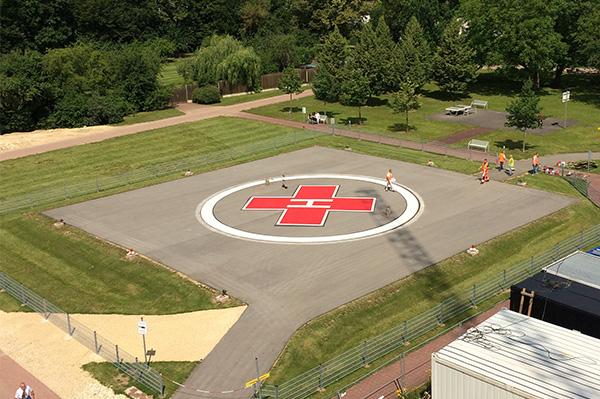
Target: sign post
(303,117)
(565,99)
(143,330)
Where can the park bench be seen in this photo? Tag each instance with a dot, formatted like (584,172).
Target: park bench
(484,145)
(322,118)
(479,103)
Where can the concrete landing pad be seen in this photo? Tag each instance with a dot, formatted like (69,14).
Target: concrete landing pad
(287,284)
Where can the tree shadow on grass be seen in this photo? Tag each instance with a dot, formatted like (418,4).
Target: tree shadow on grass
(444,96)
(401,127)
(377,102)
(287,109)
(352,120)
(511,145)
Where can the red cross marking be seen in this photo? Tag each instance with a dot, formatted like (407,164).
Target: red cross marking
(310,205)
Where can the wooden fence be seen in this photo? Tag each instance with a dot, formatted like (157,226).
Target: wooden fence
(269,81)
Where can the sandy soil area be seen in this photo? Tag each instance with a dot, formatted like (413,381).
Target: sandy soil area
(56,359)
(14,141)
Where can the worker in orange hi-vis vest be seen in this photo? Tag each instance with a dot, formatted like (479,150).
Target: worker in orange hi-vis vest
(501,160)
(534,163)
(485,165)
(485,177)
(389,179)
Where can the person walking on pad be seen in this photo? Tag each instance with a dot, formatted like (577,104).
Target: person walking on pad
(501,159)
(484,166)
(534,163)
(511,165)
(389,179)
(24,392)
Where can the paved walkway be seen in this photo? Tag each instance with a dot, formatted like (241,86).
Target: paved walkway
(12,374)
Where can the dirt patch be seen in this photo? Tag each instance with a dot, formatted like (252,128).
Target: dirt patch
(17,140)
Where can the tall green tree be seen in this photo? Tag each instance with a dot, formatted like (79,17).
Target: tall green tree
(588,34)
(334,54)
(454,62)
(373,55)
(325,88)
(523,112)
(415,55)
(405,100)
(506,33)
(355,91)
(290,83)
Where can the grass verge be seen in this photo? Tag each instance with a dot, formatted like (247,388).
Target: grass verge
(112,377)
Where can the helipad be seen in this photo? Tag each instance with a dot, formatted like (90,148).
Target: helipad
(407,207)
(285,286)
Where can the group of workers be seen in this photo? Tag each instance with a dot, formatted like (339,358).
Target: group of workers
(485,166)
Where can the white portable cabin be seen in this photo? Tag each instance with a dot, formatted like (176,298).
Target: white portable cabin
(512,356)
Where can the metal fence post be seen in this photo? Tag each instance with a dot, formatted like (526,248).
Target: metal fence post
(404,335)
(96,342)
(503,279)
(320,376)
(402,371)
(117,352)
(162,388)
(581,241)
(460,328)
(441,312)
(23,300)
(69,323)
(365,353)
(531,267)
(65,190)
(2,282)
(258,379)
(276,391)
(137,367)
(557,250)
(45,313)
(474,294)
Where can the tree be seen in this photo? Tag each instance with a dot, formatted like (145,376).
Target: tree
(523,112)
(325,88)
(453,63)
(415,55)
(290,83)
(355,91)
(243,66)
(405,100)
(254,13)
(322,16)
(334,54)
(504,32)
(588,34)
(372,55)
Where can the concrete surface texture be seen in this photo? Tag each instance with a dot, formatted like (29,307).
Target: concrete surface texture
(286,285)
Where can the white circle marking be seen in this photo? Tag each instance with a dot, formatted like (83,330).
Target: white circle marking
(205,213)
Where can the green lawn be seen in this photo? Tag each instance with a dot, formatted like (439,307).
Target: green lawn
(377,116)
(117,155)
(244,98)
(82,274)
(169,75)
(150,116)
(112,377)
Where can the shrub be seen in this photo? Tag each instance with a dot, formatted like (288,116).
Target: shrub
(206,95)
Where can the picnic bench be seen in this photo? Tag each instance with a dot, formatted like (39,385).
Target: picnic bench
(479,103)
(460,109)
(484,145)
